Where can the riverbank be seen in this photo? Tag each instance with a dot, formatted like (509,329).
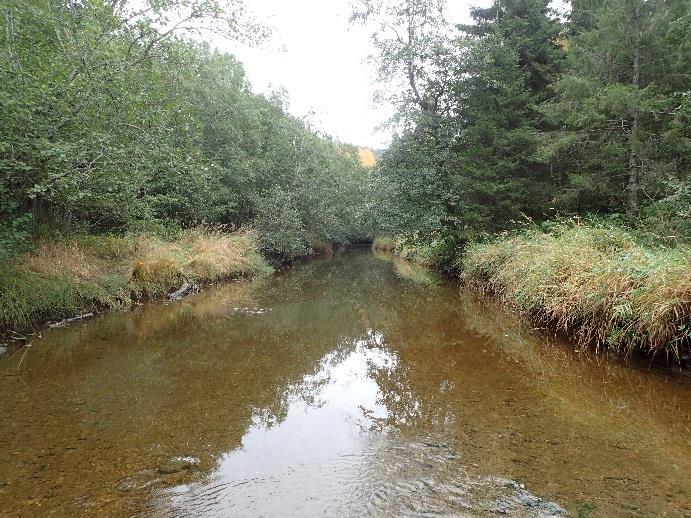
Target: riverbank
(599,284)
(65,278)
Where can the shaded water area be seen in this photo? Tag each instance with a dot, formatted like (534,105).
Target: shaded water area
(348,386)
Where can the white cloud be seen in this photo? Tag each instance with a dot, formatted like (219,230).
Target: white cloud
(320,59)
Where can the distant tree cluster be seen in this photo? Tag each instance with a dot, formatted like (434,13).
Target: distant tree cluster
(528,113)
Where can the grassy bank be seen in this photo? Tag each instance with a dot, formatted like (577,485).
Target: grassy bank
(61,279)
(595,282)
(404,250)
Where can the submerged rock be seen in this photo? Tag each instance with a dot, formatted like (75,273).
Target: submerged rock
(177,465)
(519,500)
(187,288)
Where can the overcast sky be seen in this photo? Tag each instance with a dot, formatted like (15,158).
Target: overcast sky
(321,61)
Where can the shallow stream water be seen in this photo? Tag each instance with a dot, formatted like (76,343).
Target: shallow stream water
(349,386)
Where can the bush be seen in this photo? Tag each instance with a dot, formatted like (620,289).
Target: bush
(14,234)
(279,223)
(669,219)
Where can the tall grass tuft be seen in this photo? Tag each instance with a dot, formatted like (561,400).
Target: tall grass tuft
(64,278)
(595,282)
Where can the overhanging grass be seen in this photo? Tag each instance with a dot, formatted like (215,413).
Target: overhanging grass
(595,282)
(64,278)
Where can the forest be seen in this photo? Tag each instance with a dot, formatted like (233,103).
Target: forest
(118,120)
(526,115)
(539,155)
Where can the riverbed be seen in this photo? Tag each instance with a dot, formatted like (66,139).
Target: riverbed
(353,385)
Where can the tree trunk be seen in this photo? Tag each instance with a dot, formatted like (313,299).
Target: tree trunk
(632,186)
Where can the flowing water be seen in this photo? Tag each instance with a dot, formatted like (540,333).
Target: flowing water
(350,386)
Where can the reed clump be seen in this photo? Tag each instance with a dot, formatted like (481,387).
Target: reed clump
(596,282)
(59,279)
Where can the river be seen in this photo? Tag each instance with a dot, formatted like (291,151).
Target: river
(354,385)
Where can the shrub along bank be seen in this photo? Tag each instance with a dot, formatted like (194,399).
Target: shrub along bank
(61,279)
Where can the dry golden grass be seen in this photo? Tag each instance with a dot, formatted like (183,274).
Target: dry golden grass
(197,255)
(215,255)
(67,258)
(62,278)
(155,265)
(594,282)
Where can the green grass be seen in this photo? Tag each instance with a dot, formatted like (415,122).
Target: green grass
(596,282)
(61,279)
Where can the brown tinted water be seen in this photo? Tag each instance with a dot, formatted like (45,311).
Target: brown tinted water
(351,386)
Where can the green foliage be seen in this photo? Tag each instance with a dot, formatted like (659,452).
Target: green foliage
(600,93)
(585,509)
(14,235)
(668,220)
(520,114)
(280,226)
(111,123)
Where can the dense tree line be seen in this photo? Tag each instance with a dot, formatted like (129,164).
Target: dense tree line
(114,119)
(528,113)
